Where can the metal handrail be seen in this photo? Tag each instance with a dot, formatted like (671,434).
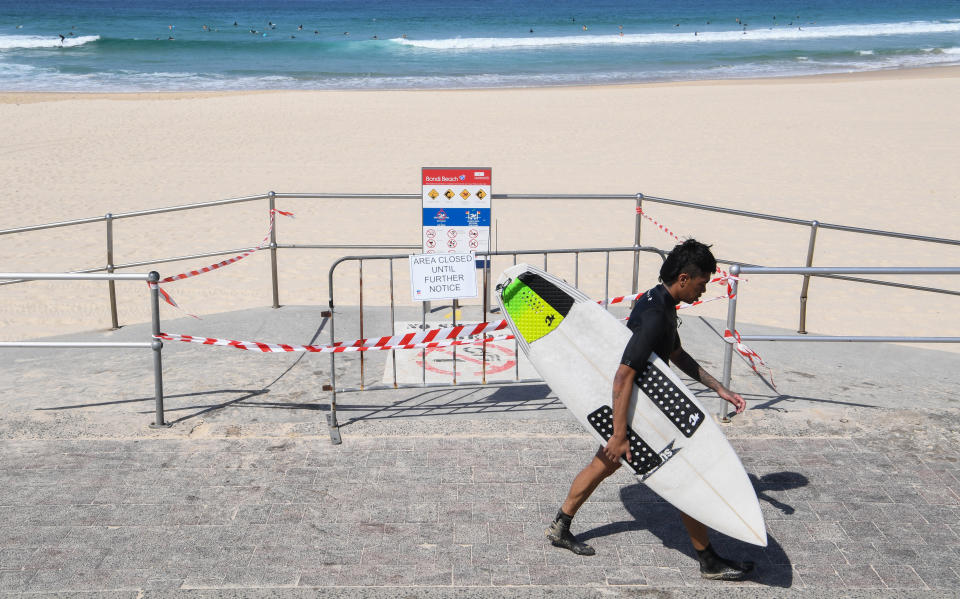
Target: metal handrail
(154,344)
(639,198)
(738,269)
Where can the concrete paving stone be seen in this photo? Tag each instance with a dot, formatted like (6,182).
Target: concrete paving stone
(826,531)
(940,576)
(860,577)
(490,554)
(796,531)
(900,532)
(829,511)
(47,581)
(510,575)
(624,576)
(865,512)
(819,576)
(938,495)
(910,495)
(490,492)
(383,554)
(133,515)
(527,554)
(894,552)
(194,559)
(16,558)
(320,576)
(901,512)
(662,577)
(862,531)
(433,575)
(15,581)
(937,534)
(858,553)
(282,514)
(553,574)
(900,577)
(637,555)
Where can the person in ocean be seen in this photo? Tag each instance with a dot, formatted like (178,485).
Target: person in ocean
(653,320)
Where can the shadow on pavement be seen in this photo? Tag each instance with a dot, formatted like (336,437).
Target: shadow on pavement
(653,514)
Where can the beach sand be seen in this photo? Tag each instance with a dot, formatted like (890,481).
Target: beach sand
(872,150)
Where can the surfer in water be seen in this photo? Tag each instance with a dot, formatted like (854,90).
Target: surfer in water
(684,277)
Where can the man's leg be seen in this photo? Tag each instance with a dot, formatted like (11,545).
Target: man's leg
(713,566)
(582,487)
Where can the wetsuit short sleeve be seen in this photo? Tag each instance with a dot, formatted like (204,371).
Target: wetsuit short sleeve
(646,335)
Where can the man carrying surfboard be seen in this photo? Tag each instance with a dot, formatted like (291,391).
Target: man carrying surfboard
(653,321)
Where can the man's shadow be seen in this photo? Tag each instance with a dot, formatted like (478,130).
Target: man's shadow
(653,514)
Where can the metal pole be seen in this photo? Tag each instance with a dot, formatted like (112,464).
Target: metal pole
(455,306)
(806,278)
(483,346)
(332,425)
(360,262)
(606,285)
(636,243)
(157,346)
(728,347)
(273,250)
(393,329)
(111,284)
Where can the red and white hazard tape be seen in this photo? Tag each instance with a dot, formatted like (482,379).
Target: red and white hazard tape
(285,348)
(733,338)
(724,277)
(193,273)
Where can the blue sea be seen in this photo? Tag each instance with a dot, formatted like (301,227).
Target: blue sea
(169,45)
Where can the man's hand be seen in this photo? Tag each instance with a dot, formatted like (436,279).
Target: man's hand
(734,398)
(616,447)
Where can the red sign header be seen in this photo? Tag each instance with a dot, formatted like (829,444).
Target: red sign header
(455,176)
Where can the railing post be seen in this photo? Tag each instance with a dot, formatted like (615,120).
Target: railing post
(636,244)
(728,347)
(806,278)
(157,346)
(111,284)
(332,425)
(273,249)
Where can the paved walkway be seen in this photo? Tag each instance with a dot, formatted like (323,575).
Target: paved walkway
(446,492)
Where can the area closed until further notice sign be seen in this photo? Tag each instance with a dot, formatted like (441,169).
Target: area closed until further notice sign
(442,276)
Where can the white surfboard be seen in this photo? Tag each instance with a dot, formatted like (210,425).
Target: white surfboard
(677,448)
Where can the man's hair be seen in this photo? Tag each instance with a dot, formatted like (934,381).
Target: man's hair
(691,257)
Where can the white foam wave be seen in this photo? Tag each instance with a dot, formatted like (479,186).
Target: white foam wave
(865,52)
(16,42)
(950,50)
(771,34)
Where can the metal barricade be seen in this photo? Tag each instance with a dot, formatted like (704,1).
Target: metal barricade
(486,286)
(806,273)
(154,344)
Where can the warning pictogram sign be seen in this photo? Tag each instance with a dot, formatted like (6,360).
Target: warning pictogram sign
(463,218)
(469,360)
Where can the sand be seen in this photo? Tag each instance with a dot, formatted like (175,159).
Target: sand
(872,150)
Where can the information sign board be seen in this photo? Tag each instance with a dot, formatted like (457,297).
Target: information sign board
(442,276)
(456,210)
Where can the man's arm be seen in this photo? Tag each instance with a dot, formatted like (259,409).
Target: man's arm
(692,369)
(618,445)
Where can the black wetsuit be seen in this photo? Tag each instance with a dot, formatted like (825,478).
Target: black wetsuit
(654,325)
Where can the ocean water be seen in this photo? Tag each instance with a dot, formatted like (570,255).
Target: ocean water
(167,45)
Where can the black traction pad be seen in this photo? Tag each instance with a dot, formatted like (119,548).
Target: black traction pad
(644,457)
(550,293)
(673,402)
